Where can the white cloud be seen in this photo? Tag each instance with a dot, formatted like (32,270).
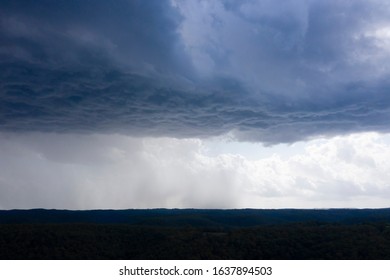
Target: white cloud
(113,171)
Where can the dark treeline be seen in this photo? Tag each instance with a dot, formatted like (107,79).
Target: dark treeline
(196,217)
(195,234)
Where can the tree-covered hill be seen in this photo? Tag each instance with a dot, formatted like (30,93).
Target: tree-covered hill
(102,241)
(195,234)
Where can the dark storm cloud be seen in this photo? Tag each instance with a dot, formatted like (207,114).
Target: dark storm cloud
(263,71)
(89,33)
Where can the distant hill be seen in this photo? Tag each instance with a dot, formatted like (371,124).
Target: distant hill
(196,217)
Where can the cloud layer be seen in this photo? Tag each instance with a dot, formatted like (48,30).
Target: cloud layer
(116,171)
(256,70)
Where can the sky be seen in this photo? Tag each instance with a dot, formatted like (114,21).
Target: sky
(194,104)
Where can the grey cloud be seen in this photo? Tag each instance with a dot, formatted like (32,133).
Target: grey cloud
(279,74)
(109,171)
(116,171)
